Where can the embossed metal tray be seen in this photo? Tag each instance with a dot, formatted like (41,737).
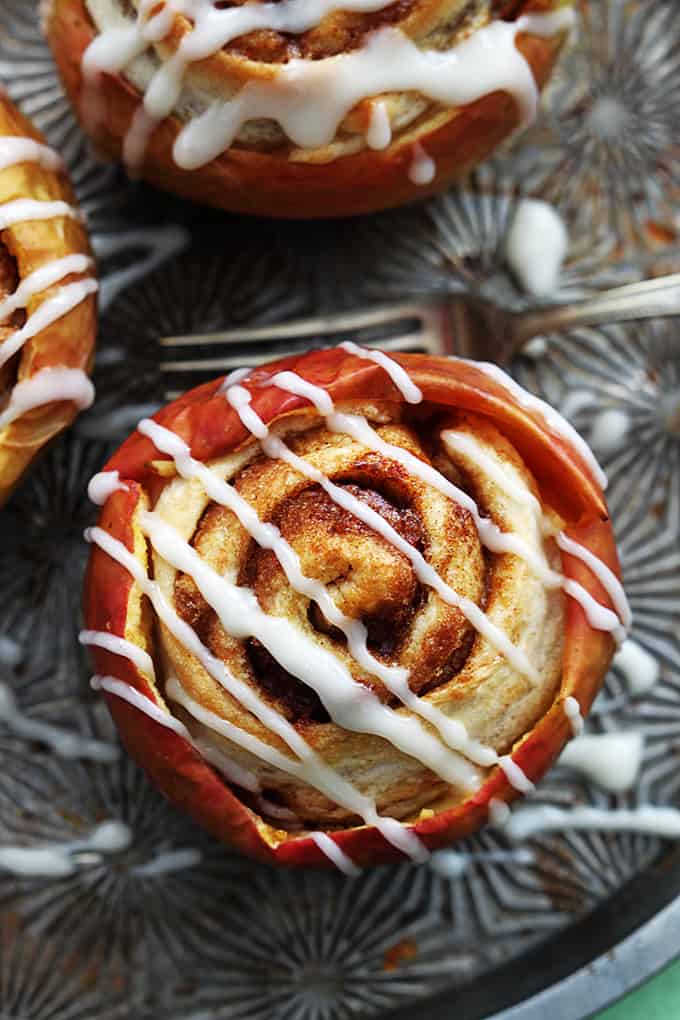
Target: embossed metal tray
(175,926)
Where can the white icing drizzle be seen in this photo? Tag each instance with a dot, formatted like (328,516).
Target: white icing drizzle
(514,775)
(379,134)
(45,387)
(609,429)
(64,743)
(119,646)
(126,692)
(310,99)
(240,399)
(59,860)
(607,579)
(323,778)
(359,429)
(535,348)
(536,246)
(454,863)
(640,669)
(552,418)
(271,810)
(24,210)
(332,851)
(115,48)
(18,149)
(307,98)
(269,537)
(611,760)
(533,820)
(168,863)
(275,448)
(499,813)
(230,769)
(399,376)
(237,376)
(463,443)
(572,710)
(350,705)
(42,278)
(599,616)
(11,652)
(309,768)
(422,168)
(103,485)
(54,308)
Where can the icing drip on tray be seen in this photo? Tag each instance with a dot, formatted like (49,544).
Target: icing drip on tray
(536,819)
(64,743)
(60,860)
(611,760)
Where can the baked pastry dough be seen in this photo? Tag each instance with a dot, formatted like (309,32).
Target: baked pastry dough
(309,107)
(343,605)
(47,298)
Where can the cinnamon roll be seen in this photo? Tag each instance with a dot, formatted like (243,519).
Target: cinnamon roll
(47,302)
(309,107)
(345,605)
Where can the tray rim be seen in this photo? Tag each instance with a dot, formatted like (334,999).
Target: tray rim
(582,988)
(611,976)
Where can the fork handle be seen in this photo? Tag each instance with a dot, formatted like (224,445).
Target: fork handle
(647,299)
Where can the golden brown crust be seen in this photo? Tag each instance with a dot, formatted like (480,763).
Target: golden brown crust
(345,177)
(69,341)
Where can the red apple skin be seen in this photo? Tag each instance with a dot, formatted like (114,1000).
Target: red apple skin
(211,428)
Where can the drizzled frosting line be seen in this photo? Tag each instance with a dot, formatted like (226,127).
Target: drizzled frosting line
(14,150)
(310,768)
(39,280)
(268,537)
(308,99)
(126,692)
(599,616)
(48,386)
(50,311)
(350,705)
(23,210)
(240,398)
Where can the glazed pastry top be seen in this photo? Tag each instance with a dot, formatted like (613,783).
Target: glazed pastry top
(320,81)
(361,604)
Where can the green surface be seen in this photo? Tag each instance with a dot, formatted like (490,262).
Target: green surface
(658,1000)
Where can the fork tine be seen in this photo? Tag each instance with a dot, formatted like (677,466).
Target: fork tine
(409,342)
(301,328)
(408,327)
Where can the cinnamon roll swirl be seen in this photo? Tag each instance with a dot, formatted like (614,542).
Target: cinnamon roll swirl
(342,605)
(47,303)
(309,107)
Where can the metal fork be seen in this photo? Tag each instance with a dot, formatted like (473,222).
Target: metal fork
(461,324)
